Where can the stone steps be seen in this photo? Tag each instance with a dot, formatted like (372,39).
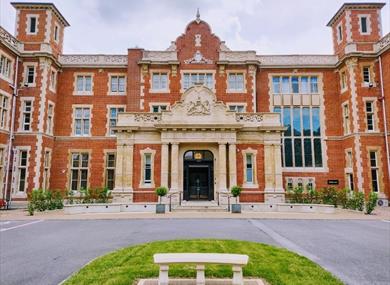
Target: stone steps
(199,208)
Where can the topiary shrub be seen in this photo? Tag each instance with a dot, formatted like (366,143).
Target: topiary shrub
(161,192)
(371,202)
(236,191)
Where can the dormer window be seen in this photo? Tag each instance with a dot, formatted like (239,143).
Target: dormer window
(32,25)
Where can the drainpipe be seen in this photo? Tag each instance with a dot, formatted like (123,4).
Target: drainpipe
(384,119)
(11,134)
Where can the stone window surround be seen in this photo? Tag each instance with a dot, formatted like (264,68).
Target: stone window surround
(47,150)
(321,105)
(7,119)
(69,166)
(151,72)
(56,25)
(379,166)
(53,87)
(83,93)
(110,93)
(253,152)
(11,72)
(25,71)
(22,100)
(182,72)
(151,104)
(142,176)
(295,179)
(244,104)
(348,164)
(73,129)
(50,132)
(238,71)
(15,192)
(372,74)
(108,117)
(348,131)
(28,19)
(105,153)
(368,17)
(375,111)
(338,27)
(341,72)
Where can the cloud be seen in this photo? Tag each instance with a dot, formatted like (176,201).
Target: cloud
(269,27)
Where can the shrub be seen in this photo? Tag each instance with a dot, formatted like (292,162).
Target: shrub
(329,196)
(161,191)
(37,198)
(85,196)
(103,194)
(70,197)
(30,209)
(371,202)
(42,200)
(342,197)
(356,202)
(236,190)
(58,199)
(297,195)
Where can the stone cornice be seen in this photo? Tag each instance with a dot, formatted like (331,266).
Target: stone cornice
(93,60)
(298,60)
(159,57)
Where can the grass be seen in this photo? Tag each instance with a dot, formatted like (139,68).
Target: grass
(275,265)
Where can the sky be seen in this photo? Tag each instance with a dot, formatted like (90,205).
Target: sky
(266,26)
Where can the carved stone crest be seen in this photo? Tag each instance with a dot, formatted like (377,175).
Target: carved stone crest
(198,107)
(198,58)
(198,40)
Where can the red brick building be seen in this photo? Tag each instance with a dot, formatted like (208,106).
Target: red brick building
(196,117)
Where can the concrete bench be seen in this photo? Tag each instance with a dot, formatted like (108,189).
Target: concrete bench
(201,259)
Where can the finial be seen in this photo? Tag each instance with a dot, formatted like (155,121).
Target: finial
(197,16)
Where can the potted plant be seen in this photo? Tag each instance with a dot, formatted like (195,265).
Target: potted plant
(161,192)
(236,191)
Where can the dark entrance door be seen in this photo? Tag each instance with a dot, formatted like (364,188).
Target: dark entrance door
(198,175)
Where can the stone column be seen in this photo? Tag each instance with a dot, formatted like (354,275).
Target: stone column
(123,192)
(164,164)
(222,167)
(175,167)
(232,165)
(273,192)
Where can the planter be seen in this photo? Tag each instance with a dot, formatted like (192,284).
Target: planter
(160,209)
(236,208)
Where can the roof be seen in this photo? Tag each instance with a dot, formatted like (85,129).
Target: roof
(354,5)
(40,5)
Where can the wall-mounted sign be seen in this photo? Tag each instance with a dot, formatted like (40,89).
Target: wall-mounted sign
(333,182)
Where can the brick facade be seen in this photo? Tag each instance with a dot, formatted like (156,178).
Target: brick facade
(352,53)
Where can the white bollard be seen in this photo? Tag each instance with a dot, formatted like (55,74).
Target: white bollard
(200,277)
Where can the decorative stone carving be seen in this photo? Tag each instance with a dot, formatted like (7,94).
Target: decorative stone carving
(199,107)
(221,70)
(198,40)
(174,70)
(223,47)
(247,117)
(384,42)
(172,47)
(147,117)
(159,56)
(86,60)
(237,56)
(198,58)
(197,16)
(9,39)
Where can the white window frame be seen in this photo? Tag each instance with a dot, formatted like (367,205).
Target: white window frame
(375,168)
(75,107)
(4,110)
(159,105)
(28,24)
(346,118)
(153,89)
(79,168)
(116,93)
(368,24)
(373,113)
(343,81)
(7,70)
(234,106)
(22,123)
(83,92)
(19,167)
(109,118)
(349,177)
(46,168)
(233,89)
(27,66)
(53,80)
(50,118)
(253,154)
(152,153)
(197,72)
(3,153)
(109,168)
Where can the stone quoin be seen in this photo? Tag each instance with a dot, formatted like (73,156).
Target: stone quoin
(197,118)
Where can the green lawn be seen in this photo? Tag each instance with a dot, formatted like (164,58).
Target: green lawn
(276,265)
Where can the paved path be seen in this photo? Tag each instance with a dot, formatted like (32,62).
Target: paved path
(48,251)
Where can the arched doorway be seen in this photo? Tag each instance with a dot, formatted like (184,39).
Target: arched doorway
(198,175)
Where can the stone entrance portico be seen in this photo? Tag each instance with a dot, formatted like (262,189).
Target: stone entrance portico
(198,122)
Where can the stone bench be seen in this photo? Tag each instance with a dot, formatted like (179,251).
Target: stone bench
(237,261)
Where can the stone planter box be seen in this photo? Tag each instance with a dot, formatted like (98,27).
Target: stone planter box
(288,207)
(236,208)
(160,209)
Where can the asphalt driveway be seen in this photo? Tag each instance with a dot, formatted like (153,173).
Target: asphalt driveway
(47,252)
